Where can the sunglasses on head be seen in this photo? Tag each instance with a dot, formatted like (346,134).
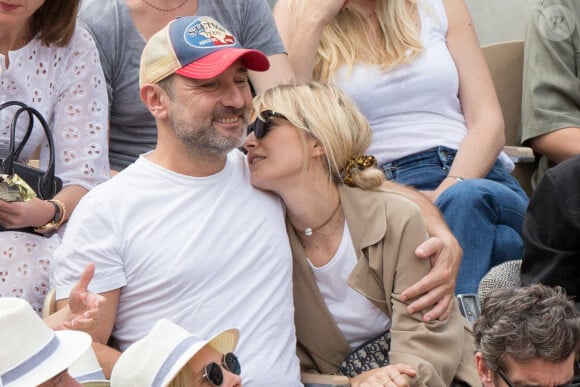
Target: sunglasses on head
(213,371)
(261,128)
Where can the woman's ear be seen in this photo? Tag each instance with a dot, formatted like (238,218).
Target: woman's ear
(316,148)
(156,100)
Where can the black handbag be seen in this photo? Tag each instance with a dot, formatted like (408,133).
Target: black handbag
(370,355)
(43,182)
(374,354)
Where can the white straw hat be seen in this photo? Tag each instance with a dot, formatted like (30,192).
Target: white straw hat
(158,357)
(87,370)
(30,352)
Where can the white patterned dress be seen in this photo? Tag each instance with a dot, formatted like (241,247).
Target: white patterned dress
(66,85)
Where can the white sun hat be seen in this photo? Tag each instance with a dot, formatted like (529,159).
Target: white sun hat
(87,370)
(159,356)
(30,352)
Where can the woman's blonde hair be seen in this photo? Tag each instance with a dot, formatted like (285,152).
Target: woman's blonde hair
(183,378)
(347,39)
(327,115)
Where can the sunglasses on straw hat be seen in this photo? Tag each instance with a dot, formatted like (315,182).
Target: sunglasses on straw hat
(213,371)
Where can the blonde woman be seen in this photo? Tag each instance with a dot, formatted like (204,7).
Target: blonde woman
(170,356)
(416,71)
(352,244)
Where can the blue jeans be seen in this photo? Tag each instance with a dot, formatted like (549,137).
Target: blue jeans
(485,215)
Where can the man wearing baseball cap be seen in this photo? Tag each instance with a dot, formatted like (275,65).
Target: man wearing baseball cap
(181,234)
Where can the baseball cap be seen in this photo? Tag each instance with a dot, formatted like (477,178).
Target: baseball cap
(196,47)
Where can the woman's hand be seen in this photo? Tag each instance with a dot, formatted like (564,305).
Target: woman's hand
(446,183)
(430,195)
(34,212)
(324,11)
(391,375)
(301,31)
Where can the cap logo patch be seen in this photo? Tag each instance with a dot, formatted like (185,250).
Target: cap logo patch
(207,33)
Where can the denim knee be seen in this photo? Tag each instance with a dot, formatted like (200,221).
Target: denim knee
(466,195)
(507,245)
(501,203)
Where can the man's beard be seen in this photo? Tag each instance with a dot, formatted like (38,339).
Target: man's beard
(206,141)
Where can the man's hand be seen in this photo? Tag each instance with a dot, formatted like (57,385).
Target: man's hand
(83,305)
(438,286)
(80,311)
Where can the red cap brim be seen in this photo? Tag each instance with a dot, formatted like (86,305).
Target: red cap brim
(214,64)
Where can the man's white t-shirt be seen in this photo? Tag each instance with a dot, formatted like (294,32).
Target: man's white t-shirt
(207,253)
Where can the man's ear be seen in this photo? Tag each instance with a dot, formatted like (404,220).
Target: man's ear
(156,100)
(485,374)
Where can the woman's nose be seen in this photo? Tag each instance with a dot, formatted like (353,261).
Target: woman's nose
(231,380)
(250,141)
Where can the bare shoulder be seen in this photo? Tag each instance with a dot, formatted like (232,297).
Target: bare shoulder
(458,15)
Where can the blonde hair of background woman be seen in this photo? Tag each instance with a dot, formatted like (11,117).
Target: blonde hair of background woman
(329,116)
(346,39)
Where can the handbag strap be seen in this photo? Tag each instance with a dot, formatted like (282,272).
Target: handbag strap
(13,129)
(12,103)
(47,179)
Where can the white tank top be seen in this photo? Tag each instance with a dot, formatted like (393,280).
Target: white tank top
(415,106)
(358,319)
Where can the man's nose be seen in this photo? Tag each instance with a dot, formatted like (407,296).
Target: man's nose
(237,97)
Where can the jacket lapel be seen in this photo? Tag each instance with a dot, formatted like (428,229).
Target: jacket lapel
(367,232)
(318,327)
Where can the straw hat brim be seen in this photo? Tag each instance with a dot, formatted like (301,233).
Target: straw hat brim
(223,342)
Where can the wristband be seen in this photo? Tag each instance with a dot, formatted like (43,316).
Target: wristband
(56,221)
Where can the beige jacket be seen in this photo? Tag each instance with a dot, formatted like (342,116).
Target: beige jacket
(385,228)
